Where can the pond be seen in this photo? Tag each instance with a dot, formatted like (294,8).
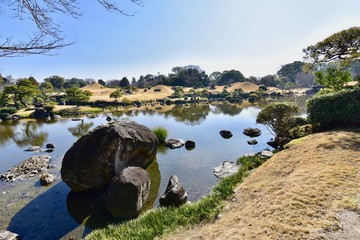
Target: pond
(54,212)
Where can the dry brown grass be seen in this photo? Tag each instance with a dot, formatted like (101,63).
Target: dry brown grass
(101,93)
(295,195)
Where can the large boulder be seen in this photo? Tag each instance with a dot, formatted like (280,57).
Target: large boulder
(128,192)
(175,194)
(95,158)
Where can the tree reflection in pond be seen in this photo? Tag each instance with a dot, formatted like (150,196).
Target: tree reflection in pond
(28,134)
(6,133)
(190,115)
(80,129)
(227,109)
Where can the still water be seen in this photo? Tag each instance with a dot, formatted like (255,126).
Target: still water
(55,212)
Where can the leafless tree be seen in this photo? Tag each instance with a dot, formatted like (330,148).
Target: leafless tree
(48,35)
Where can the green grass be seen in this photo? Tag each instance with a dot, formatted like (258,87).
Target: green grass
(161,134)
(79,110)
(160,221)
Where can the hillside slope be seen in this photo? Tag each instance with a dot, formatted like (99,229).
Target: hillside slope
(310,191)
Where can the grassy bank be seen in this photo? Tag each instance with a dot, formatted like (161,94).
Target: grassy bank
(157,222)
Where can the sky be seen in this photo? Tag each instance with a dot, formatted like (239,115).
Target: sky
(255,37)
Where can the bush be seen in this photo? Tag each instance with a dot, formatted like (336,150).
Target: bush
(49,108)
(5,116)
(161,134)
(9,110)
(341,109)
(300,131)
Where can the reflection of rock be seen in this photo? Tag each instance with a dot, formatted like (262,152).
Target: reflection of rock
(89,208)
(27,168)
(252,132)
(189,145)
(155,178)
(6,235)
(252,142)
(46,179)
(226,134)
(80,129)
(226,169)
(96,157)
(127,192)
(33,149)
(175,143)
(175,194)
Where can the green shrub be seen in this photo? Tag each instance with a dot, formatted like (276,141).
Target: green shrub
(341,109)
(300,131)
(49,108)
(324,91)
(5,116)
(161,134)
(9,110)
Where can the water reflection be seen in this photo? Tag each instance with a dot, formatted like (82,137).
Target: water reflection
(227,109)
(29,134)
(190,115)
(80,129)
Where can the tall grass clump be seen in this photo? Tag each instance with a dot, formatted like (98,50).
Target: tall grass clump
(160,221)
(161,134)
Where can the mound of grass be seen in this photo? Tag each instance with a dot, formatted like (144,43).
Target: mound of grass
(157,222)
(161,134)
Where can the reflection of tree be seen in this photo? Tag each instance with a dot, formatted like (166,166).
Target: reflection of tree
(192,115)
(80,129)
(29,135)
(6,133)
(227,109)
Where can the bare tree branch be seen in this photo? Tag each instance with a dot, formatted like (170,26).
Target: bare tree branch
(49,35)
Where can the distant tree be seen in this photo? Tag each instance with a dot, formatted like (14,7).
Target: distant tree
(133,82)
(116,94)
(290,71)
(343,46)
(33,80)
(46,87)
(269,81)
(333,78)
(23,92)
(89,81)
(124,83)
(215,76)
(56,81)
(178,92)
(47,33)
(102,82)
(74,83)
(253,79)
(77,96)
(304,80)
(229,77)
(113,83)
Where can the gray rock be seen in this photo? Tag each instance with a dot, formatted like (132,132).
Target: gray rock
(226,169)
(175,143)
(252,142)
(27,168)
(226,134)
(189,144)
(33,149)
(175,194)
(252,132)
(6,235)
(266,154)
(46,179)
(50,145)
(97,157)
(128,192)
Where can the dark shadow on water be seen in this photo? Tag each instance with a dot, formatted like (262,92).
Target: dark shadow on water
(45,217)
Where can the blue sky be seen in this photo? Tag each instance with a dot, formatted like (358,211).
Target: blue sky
(255,37)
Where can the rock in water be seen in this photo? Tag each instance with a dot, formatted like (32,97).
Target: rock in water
(6,235)
(175,143)
(252,132)
(95,158)
(226,134)
(27,168)
(128,192)
(46,179)
(175,194)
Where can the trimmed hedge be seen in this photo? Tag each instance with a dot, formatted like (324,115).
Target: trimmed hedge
(341,109)
(9,110)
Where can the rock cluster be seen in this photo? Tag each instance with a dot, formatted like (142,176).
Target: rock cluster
(226,169)
(27,168)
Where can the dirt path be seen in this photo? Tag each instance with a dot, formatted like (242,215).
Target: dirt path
(310,191)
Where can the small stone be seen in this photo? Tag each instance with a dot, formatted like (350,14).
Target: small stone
(46,179)
(219,216)
(266,154)
(175,143)
(33,148)
(252,142)
(252,132)
(189,144)
(226,134)
(50,145)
